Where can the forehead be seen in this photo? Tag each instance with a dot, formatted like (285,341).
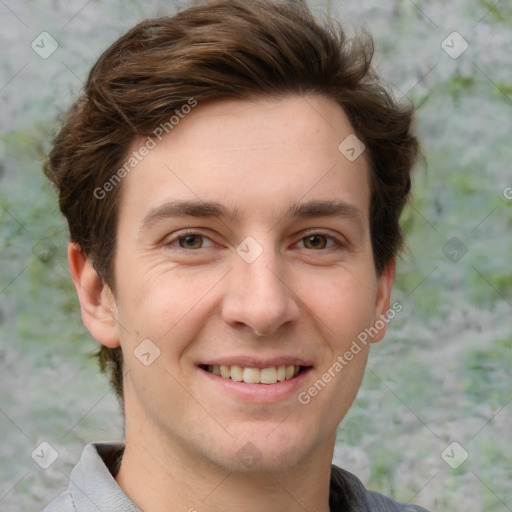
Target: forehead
(258,157)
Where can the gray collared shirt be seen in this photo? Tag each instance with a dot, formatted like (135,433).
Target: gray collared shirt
(92,488)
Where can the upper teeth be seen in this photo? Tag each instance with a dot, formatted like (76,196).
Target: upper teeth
(269,375)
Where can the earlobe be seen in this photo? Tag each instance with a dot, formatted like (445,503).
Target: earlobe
(382,301)
(96,299)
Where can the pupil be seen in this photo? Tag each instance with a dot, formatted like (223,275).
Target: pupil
(316,241)
(190,241)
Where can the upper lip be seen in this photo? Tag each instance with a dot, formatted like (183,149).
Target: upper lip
(257,362)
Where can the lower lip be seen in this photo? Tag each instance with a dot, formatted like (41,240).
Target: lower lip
(258,393)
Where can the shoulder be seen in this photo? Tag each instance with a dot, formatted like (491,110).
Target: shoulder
(92,480)
(62,503)
(347,493)
(383,503)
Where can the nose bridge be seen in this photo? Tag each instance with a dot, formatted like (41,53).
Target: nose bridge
(258,295)
(264,278)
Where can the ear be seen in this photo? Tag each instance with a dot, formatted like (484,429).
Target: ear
(382,301)
(97,301)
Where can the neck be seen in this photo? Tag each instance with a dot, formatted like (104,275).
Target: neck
(155,471)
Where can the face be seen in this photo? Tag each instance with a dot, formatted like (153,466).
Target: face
(244,244)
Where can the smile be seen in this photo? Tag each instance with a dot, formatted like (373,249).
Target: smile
(269,375)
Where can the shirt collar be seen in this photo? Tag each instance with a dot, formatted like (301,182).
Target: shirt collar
(92,484)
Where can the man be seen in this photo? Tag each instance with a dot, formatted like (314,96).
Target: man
(232,179)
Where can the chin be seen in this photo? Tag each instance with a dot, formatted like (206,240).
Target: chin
(249,460)
(266,451)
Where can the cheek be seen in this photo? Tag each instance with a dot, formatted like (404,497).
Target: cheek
(159,302)
(343,302)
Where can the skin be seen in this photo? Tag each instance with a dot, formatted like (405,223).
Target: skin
(185,432)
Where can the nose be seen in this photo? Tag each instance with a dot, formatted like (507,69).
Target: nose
(259,297)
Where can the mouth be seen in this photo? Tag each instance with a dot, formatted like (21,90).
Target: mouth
(250,375)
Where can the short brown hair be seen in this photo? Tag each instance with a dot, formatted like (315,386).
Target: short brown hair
(223,49)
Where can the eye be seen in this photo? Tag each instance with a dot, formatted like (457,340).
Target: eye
(319,241)
(190,241)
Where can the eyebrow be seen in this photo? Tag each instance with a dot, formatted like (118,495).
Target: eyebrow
(203,209)
(213,209)
(325,208)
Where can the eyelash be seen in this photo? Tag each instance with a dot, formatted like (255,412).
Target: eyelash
(336,241)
